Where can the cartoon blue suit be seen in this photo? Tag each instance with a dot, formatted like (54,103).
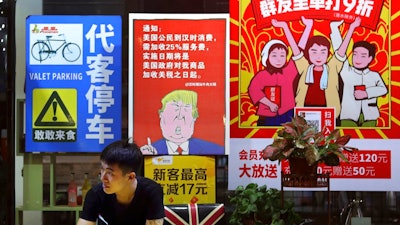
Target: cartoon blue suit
(196,147)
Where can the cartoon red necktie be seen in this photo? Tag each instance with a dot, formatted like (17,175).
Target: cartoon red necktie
(179,150)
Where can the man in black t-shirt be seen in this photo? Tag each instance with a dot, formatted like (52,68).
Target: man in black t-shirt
(123,197)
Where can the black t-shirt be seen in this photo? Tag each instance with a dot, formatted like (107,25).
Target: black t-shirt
(146,205)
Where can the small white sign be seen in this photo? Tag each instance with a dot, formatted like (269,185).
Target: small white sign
(361,221)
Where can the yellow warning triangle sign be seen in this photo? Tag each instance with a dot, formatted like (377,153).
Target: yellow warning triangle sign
(53,103)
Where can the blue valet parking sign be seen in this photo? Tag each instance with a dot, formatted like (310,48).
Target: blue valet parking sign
(73,83)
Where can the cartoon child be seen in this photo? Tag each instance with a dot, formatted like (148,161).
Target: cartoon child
(271,89)
(319,80)
(361,86)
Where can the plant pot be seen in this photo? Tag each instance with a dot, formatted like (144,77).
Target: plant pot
(251,221)
(299,166)
(248,221)
(302,174)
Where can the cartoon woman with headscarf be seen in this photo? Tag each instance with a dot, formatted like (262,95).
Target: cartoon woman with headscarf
(271,89)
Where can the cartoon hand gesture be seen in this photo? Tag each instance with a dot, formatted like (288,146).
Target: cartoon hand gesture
(273,107)
(356,23)
(360,94)
(277,23)
(148,149)
(307,22)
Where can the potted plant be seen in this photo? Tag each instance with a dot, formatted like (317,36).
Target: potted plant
(258,205)
(300,140)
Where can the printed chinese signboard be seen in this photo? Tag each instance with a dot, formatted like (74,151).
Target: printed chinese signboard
(185,179)
(73,83)
(178,74)
(313,55)
(369,170)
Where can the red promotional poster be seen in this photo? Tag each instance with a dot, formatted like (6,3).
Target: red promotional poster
(337,64)
(178,67)
(280,43)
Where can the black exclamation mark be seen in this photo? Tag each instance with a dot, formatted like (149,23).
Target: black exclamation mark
(54,110)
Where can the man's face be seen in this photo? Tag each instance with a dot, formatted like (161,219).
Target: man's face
(361,58)
(177,122)
(114,180)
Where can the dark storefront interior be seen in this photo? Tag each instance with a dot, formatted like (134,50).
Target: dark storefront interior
(382,207)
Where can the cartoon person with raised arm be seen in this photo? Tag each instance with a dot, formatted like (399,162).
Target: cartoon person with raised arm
(361,86)
(319,80)
(178,116)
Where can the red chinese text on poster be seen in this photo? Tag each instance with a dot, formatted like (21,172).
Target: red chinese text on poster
(171,55)
(363,164)
(262,169)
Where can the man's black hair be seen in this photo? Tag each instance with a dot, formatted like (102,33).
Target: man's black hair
(367,45)
(124,153)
